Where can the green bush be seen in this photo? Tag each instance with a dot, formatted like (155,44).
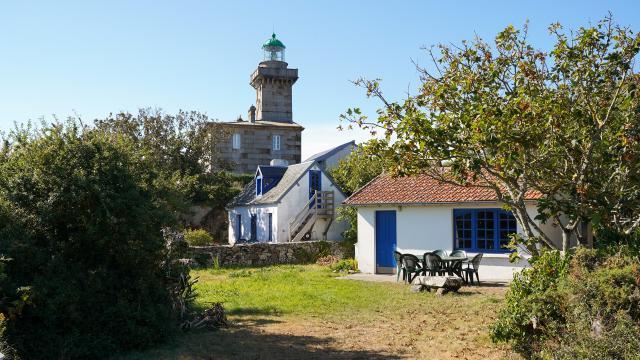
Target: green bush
(610,242)
(303,256)
(532,311)
(321,250)
(349,214)
(586,306)
(345,265)
(324,249)
(81,219)
(198,237)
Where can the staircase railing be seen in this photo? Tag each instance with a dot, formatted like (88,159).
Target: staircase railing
(303,216)
(319,205)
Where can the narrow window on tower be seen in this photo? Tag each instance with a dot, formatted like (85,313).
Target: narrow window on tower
(236,141)
(276,142)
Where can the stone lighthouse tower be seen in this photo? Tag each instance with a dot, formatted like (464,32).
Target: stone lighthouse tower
(273,82)
(269,135)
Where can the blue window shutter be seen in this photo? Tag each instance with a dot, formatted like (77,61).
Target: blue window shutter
(254,227)
(239,227)
(258,186)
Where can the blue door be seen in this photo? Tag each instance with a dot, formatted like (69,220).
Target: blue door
(239,227)
(315,183)
(270,227)
(254,227)
(385,239)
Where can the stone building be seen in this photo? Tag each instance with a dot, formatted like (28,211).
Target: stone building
(269,134)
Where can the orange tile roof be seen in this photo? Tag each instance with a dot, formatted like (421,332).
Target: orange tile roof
(421,189)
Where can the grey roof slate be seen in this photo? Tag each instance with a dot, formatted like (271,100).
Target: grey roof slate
(291,176)
(247,194)
(328,153)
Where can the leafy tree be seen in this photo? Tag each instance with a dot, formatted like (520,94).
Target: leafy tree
(182,149)
(352,173)
(357,169)
(80,221)
(515,120)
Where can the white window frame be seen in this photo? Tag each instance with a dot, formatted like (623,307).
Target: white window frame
(275,142)
(236,141)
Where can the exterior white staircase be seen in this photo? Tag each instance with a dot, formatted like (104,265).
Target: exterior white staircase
(319,206)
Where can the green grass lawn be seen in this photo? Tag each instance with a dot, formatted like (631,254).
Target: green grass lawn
(295,290)
(289,312)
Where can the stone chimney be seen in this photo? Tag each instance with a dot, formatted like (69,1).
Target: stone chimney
(252,114)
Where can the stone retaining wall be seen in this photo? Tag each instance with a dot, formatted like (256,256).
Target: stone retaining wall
(259,254)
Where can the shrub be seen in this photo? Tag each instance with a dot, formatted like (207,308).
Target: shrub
(586,306)
(303,256)
(345,265)
(602,295)
(198,237)
(179,283)
(610,242)
(323,249)
(81,219)
(532,310)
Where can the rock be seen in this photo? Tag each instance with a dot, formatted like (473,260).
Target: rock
(450,283)
(441,291)
(416,288)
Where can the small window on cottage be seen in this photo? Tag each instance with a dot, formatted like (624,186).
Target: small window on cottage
(259,186)
(236,141)
(276,142)
(483,230)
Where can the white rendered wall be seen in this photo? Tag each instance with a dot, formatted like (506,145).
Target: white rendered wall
(294,201)
(366,245)
(427,228)
(262,222)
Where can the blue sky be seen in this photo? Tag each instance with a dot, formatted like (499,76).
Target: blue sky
(95,57)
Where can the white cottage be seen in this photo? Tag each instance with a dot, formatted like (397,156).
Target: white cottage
(418,214)
(287,203)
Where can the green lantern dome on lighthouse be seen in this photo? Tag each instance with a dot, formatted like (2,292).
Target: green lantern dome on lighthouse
(273,42)
(273,49)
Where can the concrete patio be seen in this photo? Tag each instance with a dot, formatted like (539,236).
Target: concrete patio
(484,281)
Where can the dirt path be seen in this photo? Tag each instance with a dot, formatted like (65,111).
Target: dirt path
(407,326)
(430,333)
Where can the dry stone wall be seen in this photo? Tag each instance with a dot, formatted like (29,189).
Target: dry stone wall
(259,254)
